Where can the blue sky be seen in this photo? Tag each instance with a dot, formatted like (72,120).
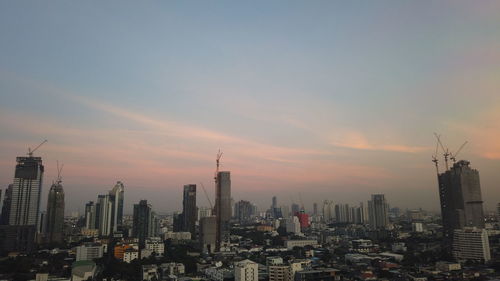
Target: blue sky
(325,96)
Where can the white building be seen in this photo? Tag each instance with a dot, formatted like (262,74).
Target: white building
(156,245)
(290,244)
(176,236)
(417,227)
(89,251)
(130,254)
(149,272)
(471,243)
(293,225)
(246,270)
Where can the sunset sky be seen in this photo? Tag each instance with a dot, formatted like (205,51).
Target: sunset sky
(314,99)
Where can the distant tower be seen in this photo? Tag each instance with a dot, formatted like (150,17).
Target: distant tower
(378,212)
(142,221)
(116,197)
(189,212)
(460,196)
(7,199)
(104,210)
(55,213)
(223,208)
(90,216)
(26,191)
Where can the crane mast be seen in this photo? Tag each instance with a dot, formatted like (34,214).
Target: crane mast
(30,151)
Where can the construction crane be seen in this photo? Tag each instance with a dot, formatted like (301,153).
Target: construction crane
(454,154)
(206,194)
(434,157)
(446,152)
(30,152)
(59,172)
(217,161)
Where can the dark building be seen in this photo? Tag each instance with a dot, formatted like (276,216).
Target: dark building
(142,221)
(223,208)
(7,199)
(189,212)
(244,212)
(208,234)
(17,238)
(320,274)
(460,196)
(26,191)
(55,214)
(178,222)
(295,209)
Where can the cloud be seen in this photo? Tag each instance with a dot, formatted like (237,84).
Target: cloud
(356,140)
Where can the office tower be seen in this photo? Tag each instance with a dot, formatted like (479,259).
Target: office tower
(246,270)
(141,221)
(7,199)
(328,211)
(177,222)
(26,191)
(275,210)
(285,211)
(244,212)
(460,196)
(363,211)
(295,209)
(378,212)
(471,243)
(208,234)
(116,197)
(223,208)
(105,207)
(55,213)
(315,209)
(189,209)
(90,216)
(342,213)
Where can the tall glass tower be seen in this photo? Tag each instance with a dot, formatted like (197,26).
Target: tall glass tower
(26,191)
(223,209)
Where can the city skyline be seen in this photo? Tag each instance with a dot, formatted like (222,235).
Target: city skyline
(330,98)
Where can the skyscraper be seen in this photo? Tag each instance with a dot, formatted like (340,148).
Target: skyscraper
(460,196)
(378,212)
(223,208)
(208,234)
(189,209)
(105,213)
(116,197)
(26,191)
(142,221)
(90,215)
(55,213)
(243,212)
(4,218)
(295,209)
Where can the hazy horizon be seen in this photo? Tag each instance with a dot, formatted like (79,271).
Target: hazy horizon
(329,100)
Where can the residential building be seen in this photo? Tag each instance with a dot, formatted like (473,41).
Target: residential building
(246,270)
(471,244)
(378,212)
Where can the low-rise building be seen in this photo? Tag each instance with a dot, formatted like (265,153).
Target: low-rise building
(89,251)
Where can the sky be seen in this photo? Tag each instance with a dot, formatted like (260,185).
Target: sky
(307,100)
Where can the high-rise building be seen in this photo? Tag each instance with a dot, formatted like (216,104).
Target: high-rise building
(498,210)
(470,243)
(142,220)
(7,199)
(378,212)
(189,209)
(315,209)
(328,211)
(293,225)
(295,209)
(223,208)
(116,196)
(208,234)
(90,216)
(26,191)
(460,196)
(55,213)
(204,212)
(105,214)
(244,212)
(246,270)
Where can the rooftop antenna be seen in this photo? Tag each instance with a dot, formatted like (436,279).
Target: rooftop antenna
(434,157)
(454,154)
(30,152)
